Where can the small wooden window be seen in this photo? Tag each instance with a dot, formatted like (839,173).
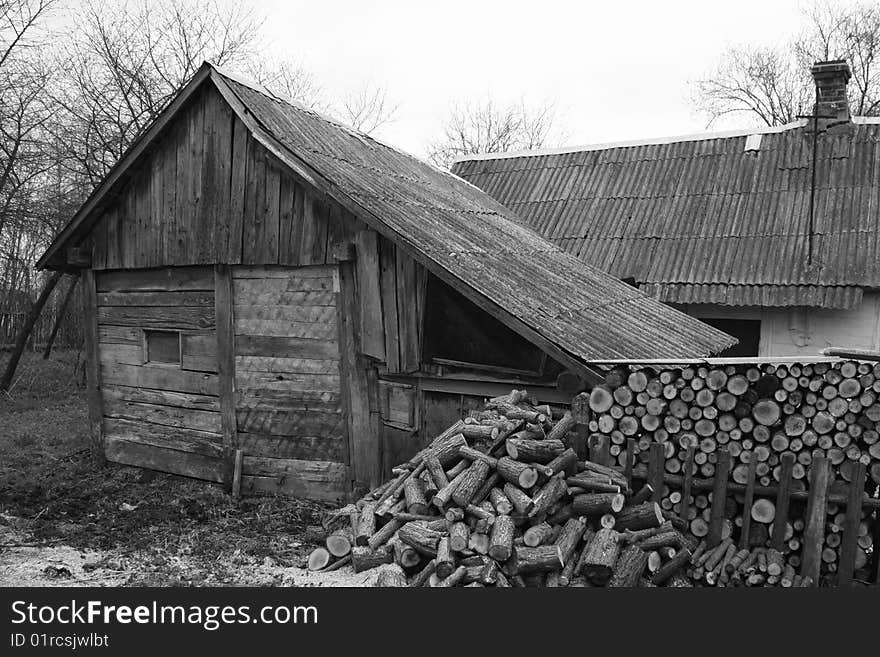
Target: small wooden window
(162,347)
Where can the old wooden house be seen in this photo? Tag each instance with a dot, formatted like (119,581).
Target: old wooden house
(260,278)
(770,234)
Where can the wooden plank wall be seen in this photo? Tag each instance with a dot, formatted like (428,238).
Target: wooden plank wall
(287,380)
(160,416)
(210,194)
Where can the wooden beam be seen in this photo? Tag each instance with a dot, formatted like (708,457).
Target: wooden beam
(849,542)
(369,295)
(225,330)
(814,529)
(94,393)
(719,498)
(782,500)
(688,482)
(656,467)
(748,500)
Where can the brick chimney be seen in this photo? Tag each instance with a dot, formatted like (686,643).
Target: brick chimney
(832,105)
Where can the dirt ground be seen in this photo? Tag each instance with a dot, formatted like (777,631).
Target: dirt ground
(65,523)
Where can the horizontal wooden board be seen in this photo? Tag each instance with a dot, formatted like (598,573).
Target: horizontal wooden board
(130,354)
(181,298)
(280,313)
(159,378)
(162,398)
(318,480)
(284,298)
(312,330)
(285,273)
(307,448)
(285,346)
(199,351)
(247,382)
(169,279)
(180,317)
(282,365)
(324,400)
(289,423)
(120,335)
(157,435)
(163,459)
(171,416)
(248,288)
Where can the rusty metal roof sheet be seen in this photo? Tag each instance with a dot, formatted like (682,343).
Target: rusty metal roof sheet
(703,220)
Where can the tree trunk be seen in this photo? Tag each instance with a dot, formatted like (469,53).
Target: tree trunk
(59,318)
(23,335)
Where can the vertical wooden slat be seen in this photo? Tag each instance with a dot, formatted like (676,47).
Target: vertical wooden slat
(363,441)
(656,466)
(238,190)
(271,216)
(814,529)
(580,413)
(372,329)
(408,312)
(93,370)
(748,499)
(849,541)
(783,497)
(388,279)
(688,482)
(285,218)
(223,313)
(719,498)
(630,459)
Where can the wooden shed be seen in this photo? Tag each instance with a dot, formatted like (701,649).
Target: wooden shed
(260,278)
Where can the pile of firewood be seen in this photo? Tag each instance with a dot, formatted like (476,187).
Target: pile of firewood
(500,499)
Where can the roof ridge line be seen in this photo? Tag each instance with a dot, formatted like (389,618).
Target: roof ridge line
(648,141)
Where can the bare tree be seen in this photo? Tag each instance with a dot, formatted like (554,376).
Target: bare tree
(367,109)
(486,127)
(288,80)
(773,86)
(17,19)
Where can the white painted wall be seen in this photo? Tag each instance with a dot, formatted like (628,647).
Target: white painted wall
(806,331)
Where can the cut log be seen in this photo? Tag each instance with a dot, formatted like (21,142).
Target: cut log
(454,579)
(501,542)
(392,577)
(318,559)
(414,494)
(367,524)
(629,568)
(363,558)
(521,502)
(641,516)
(538,534)
(445,560)
(763,510)
(600,556)
(517,473)
(541,559)
(597,504)
(473,478)
(551,493)
(601,399)
(500,502)
(766,412)
(565,462)
(459,534)
(339,543)
(534,451)
(404,555)
(419,537)
(672,567)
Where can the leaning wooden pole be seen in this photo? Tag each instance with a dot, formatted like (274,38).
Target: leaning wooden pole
(22,338)
(59,318)
(814,530)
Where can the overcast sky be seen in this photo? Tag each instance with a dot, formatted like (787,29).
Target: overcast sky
(616,70)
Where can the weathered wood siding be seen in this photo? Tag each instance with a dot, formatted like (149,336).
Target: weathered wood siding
(289,413)
(164,417)
(207,194)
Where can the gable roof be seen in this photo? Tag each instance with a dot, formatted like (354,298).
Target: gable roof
(713,218)
(574,311)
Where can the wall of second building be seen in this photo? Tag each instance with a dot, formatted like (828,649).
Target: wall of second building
(805,331)
(159,415)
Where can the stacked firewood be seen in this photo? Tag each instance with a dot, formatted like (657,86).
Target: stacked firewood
(774,421)
(502,499)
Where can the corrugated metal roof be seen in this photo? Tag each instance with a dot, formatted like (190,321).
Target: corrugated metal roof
(704,221)
(480,242)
